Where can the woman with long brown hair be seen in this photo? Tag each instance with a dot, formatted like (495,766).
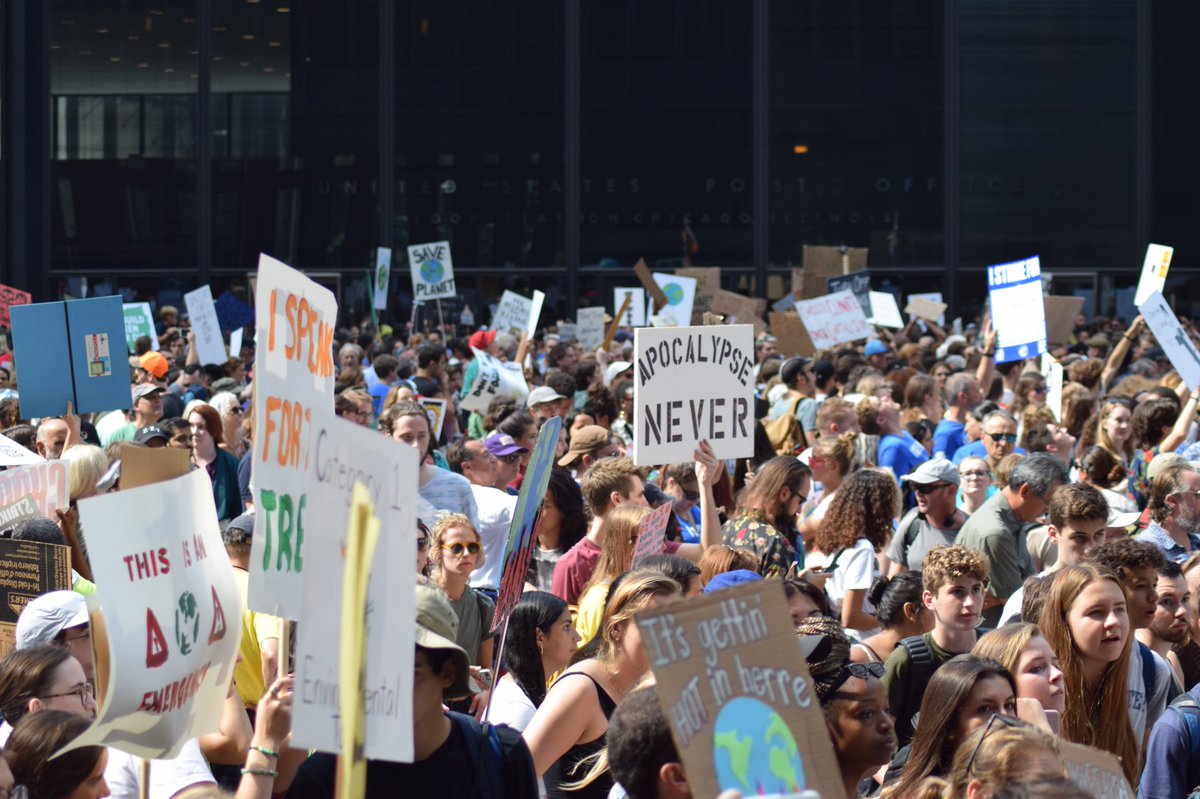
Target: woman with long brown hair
(765,520)
(616,557)
(1086,622)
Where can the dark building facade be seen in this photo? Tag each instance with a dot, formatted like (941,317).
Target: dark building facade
(150,147)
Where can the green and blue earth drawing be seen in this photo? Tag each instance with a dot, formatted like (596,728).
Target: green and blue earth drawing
(431,271)
(674,293)
(754,751)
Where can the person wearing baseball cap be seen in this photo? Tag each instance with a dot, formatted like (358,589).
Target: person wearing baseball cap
(147,410)
(58,617)
(507,455)
(261,633)
(796,373)
(589,444)
(151,436)
(543,403)
(153,368)
(454,755)
(933,522)
(878,354)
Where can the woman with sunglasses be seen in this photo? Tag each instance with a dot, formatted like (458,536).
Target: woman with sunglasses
(1030,393)
(456,550)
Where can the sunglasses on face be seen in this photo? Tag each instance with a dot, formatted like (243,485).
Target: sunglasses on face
(1039,389)
(1003,438)
(689,495)
(1005,720)
(860,670)
(457,549)
(930,488)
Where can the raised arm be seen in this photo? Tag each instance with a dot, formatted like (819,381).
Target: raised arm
(987,364)
(708,472)
(1117,356)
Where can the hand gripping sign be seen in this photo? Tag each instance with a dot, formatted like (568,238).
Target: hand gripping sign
(172,614)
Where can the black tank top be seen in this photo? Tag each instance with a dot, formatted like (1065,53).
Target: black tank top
(563,771)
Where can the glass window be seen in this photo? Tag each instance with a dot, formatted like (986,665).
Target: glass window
(1176,117)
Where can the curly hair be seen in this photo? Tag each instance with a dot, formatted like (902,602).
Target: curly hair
(444,524)
(946,563)
(1127,553)
(862,508)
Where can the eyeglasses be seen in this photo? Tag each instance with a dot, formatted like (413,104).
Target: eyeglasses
(1039,389)
(1006,720)
(860,670)
(84,692)
(457,549)
(509,459)
(1006,438)
(689,495)
(976,473)
(930,488)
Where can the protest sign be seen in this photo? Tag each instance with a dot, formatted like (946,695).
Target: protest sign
(567,331)
(293,390)
(432,271)
(512,314)
(1017,308)
(734,684)
(521,540)
(791,337)
(28,569)
(362,535)
(535,313)
(1096,771)
(739,309)
(1174,340)
(680,292)
(203,315)
(232,311)
(9,297)
(590,327)
(48,484)
(1060,317)
(693,384)
(635,314)
(652,533)
(657,297)
(87,337)
(345,454)
(22,510)
(833,319)
(886,313)
(494,379)
(172,611)
(235,342)
(1052,372)
(13,454)
(859,283)
(383,274)
(436,409)
(708,280)
(1154,272)
(928,306)
(142,465)
(139,321)
(821,263)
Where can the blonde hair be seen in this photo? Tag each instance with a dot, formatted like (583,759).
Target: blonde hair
(1001,756)
(88,465)
(621,529)
(634,594)
(1006,643)
(839,449)
(444,524)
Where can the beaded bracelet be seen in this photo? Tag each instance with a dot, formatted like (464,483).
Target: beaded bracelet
(261,772)
(265,751)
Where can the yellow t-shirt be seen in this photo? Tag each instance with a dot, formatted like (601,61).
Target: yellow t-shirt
(590,612)
(256,629)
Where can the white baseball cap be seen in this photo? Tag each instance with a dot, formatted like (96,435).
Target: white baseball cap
(48,615)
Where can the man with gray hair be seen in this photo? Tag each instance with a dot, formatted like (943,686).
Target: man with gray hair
(961,393)
(999,437)
(1174,509)
(998,528)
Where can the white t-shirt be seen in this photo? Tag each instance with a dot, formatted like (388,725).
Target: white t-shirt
(1143,713)
(855,570)
(1012,608)
(495,508)
(510,705)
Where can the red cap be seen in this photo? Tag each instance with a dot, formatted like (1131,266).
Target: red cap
(482,339)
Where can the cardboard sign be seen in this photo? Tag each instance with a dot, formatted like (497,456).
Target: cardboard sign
(521,540)
(9,297)
(590,327)
(886,311)
(859,283)
(1052,372)
(652,533)
(142,466)
(791,337)
(1018,311)
(512,314)
(362,535)
(494,379)
(680,292)
(693,384)
(28,569)
(833,319)
(436,410)
(383,275)
(1095,770)
(1060,317)
(1174,340)
(173,615)
(708,280)
(650,285)
(210,345)
(822,263)
(345,454)
(139,321)
(740,310)
(1154,272)
(71,351)
(635,314)
(928,307)
(13,454)
(47,483)
(735,686)
(432,271)
(293,391)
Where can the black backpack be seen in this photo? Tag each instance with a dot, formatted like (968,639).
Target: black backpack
(484,754)
(920,668)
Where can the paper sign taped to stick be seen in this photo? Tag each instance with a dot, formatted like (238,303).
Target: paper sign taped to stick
(857,282)
(432,271)
(635,314)
(680,292)
(13,454)
(886,311)
(9,297)
(495,378)
(1174,340)
(1095,770)
(693,384)
(652,534)
(203,315)
(1018,310)
(28,569)
(1154,272)
(173,615)
(345,454)
(590,327)
(733,681)
(928,307)
(650,285)
(1060,317)
(1052,371)
(512,314)
(47,483)
(383,275)
(139,321)
(293,391)
(791,337)
(834,319)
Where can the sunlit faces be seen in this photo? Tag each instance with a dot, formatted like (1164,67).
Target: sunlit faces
(629,637)
(558,645)
(636,495)
(1141,585)
(1172,614)
(990,696)
(95,786)
(1118,424)
(69,691)
(999,439)
(1077,538)
(459,551)
(1099,622)
(413,431)
(859,723)
(1039,675)
(957,604)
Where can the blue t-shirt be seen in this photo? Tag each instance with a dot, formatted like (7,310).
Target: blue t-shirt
(378,395)
(901,453)
(947,438)
(1170,771)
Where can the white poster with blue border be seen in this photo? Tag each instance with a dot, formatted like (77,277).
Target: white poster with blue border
(1018,310)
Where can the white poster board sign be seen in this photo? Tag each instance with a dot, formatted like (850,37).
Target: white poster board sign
(432,271)
(344,453)
(512,314)
(383,274)
(203,316)
(886,311)
(235,342)
(681,296)
(172,612)
(1018,310)
(1052,372)
(1174,340)
(590,327)
(635,315)
(495,379)
(693,384)
(1154,272)
(535,313)
(834,319)
(13,454)
(293,389)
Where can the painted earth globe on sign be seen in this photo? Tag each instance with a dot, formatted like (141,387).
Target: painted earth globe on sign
(754,751)
(431,271)
(674,293)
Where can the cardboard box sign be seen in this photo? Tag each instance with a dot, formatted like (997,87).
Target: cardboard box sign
(926,309)
(1095,770)
(1060,317)
(791,337)
(822,263)
(739,309)
(734,684)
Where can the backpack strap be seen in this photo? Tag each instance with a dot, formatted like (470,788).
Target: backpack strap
(484,755)
(920,669)
(1186,706)
(1148,672)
